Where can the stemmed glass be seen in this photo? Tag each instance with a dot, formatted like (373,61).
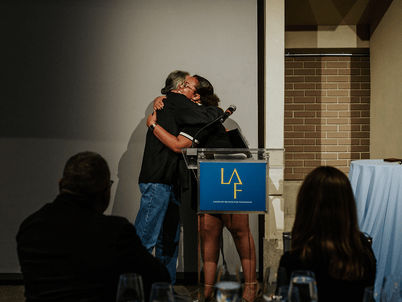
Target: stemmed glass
(305,281)
(227,290)
(161,292)
(130,288)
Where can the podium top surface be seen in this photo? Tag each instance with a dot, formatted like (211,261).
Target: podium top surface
(193,155)
(192,151)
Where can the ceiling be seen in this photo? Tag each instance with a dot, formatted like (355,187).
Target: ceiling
(309,14)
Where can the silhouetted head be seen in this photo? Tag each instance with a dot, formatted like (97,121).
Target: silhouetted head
(87,176)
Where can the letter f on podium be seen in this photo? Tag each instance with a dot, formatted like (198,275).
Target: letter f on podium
(230,181)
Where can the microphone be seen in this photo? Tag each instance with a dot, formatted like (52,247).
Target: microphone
(227,113)
(220,119)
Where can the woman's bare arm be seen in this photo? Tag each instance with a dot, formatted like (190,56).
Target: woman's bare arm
(172,142)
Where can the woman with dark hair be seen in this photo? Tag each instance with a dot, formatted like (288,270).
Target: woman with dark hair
(211,225)
(326,238)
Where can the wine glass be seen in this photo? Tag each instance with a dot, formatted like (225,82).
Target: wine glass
(130,288)
(305,281)
(228,289)
(161,292)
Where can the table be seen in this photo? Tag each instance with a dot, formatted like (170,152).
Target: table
(377,187)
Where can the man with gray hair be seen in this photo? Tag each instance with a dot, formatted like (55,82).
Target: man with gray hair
(174,79)
(70,251)
(163,172)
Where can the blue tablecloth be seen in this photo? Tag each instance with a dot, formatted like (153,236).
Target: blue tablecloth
(377,187)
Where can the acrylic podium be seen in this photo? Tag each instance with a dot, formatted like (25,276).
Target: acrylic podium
(230,181)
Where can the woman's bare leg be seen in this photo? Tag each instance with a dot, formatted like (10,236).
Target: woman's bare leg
(211,230)
(238,225)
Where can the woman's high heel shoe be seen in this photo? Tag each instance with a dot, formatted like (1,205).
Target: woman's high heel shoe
(257,290)
(212,296)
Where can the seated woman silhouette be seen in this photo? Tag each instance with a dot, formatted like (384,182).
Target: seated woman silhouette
(326,238)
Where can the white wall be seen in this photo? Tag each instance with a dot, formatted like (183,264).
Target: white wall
(386,88)
(340,36)
(274,113)
(81,75)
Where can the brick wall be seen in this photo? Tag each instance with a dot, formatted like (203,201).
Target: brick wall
(327,113)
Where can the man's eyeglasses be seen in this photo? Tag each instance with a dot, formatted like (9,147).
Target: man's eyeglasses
(187,85)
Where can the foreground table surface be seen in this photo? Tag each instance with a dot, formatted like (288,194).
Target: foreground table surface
(377,187)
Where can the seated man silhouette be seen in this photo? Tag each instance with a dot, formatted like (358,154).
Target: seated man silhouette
(70,251)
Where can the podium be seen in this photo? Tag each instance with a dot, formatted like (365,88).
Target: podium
(234,180)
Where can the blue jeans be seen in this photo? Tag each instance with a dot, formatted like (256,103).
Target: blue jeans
(158,223)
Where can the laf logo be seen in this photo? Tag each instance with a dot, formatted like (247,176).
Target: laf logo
(236,181)
(232,186)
